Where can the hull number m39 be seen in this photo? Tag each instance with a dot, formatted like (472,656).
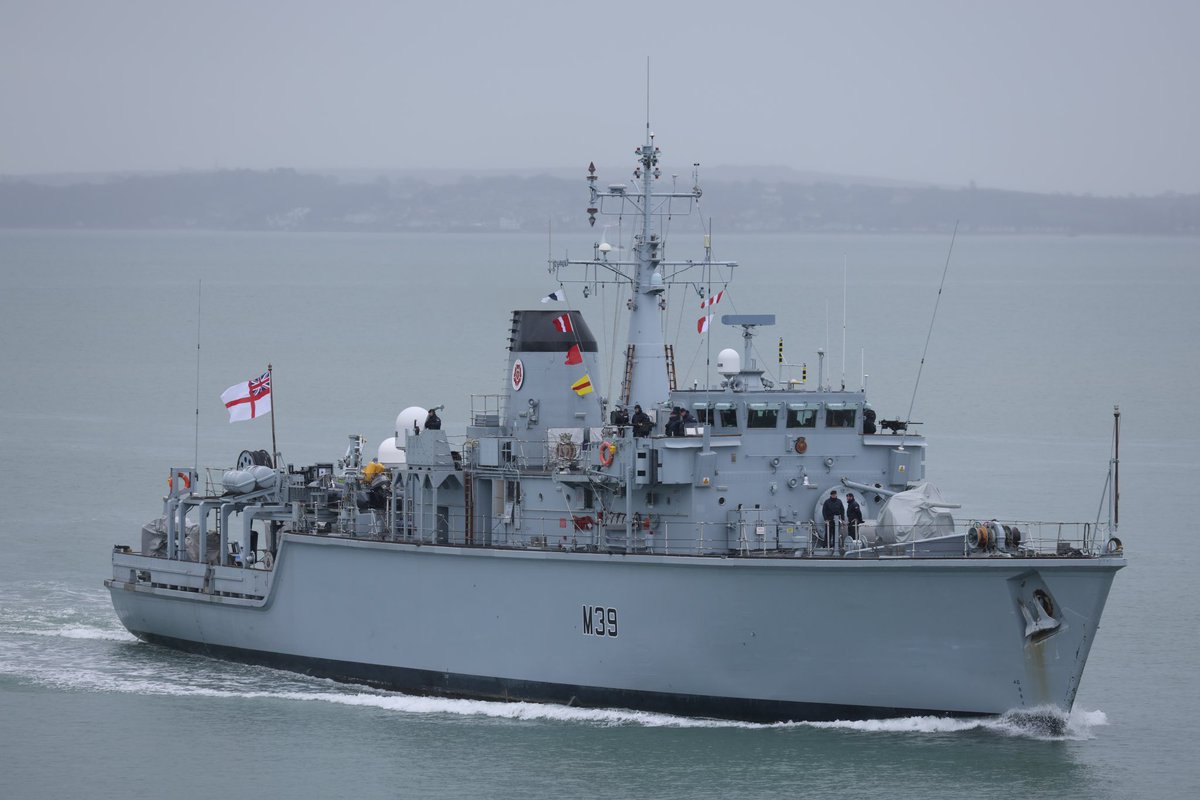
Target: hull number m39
(599,621)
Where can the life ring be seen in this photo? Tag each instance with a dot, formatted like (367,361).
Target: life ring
(801,445)
(183,476)
(608,452)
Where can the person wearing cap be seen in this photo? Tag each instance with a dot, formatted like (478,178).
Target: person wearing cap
(832,509)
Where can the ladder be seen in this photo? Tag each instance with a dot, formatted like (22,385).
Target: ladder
(469,507)
(627,383)
(670,366)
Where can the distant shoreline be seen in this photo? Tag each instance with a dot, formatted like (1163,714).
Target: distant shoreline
(287,200)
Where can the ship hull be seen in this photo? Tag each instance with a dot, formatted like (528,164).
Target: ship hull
(760,639)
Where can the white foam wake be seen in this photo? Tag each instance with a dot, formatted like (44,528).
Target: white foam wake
(217,680)
(151,682)
(1038,723)
(81,632)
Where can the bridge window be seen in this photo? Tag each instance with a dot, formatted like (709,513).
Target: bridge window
(802,415)
(840,415)
(762,415)
(727,414)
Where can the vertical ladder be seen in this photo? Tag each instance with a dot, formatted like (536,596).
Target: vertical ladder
(670,366)
(469,506)
(627,383)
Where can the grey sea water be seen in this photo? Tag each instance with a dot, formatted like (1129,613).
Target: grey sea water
(1035,340)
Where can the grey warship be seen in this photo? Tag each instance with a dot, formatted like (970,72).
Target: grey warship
(655,547)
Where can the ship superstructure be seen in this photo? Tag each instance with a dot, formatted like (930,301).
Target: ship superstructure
(654,547)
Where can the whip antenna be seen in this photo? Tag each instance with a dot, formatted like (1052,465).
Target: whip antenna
(929,335)
(196,444)
(843,323)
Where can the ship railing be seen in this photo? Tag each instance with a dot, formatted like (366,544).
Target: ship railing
(579,529)
(976,538)
(487,410)
(648,532)
(1042,538)
(212,480)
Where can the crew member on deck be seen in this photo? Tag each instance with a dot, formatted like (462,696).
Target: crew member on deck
(675,422)
(433,422)
(854,515)
(620,418)
(641,422)
(832,509)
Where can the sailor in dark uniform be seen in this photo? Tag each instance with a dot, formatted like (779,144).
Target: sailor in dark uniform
(854,515)
(675,422)
(831,510)
(433,422)
(641,422)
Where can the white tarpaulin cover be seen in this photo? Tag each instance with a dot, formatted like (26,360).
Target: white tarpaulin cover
(918,513)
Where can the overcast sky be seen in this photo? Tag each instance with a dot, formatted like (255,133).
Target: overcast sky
(1038,95)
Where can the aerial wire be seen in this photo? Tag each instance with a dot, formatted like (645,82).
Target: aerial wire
(929,334)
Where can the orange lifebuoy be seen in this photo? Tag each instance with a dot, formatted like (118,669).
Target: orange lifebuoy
(801,445)
(608,452)
(187,480)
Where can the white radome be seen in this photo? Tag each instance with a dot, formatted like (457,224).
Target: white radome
(404,423)
(389,455)
(729,362)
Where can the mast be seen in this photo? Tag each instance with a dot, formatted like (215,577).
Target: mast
(1115,497)
(647,274)
(648,384)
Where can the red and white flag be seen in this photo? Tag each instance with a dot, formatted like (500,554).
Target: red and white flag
(248,399)
(702,323)
(562,324)
(713,300)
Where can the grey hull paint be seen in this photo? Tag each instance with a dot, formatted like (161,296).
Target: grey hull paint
(480,687)
(747,638)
